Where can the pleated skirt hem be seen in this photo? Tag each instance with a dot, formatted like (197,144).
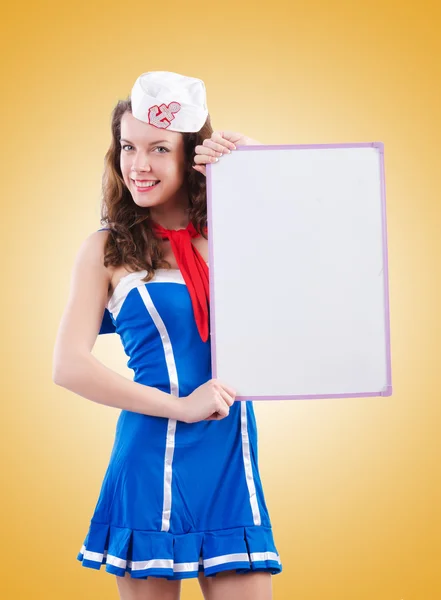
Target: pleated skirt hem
(145,554)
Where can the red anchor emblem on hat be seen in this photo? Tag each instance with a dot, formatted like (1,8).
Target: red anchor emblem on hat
(162,116)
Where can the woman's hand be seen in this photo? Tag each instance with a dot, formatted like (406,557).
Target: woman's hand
(210,401)
(220,143)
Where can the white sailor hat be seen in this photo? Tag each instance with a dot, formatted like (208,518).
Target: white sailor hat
(170,101)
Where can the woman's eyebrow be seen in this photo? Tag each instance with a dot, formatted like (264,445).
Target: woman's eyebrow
(151,143)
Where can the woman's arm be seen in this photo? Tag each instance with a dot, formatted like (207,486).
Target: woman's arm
(88,377)
(74,367)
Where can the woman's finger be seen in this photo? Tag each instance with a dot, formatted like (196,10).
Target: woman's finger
(229,389)
(226,397)
(222,411)
(226,138)
(218,147)
(213,417)
(205,149)
(203,159)
(200,169)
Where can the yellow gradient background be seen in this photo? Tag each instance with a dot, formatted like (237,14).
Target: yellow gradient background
(353,485)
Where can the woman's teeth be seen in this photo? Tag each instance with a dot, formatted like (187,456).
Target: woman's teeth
(145,183)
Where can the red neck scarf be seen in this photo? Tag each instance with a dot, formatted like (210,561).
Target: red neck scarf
(193,268)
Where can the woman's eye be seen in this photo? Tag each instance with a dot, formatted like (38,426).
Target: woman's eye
(157,147)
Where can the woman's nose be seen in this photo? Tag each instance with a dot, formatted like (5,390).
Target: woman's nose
(140,163)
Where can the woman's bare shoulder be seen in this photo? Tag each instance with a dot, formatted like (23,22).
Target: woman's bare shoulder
(96,242)
(92,251)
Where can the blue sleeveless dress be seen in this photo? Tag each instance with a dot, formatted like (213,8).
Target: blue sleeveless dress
(177,498)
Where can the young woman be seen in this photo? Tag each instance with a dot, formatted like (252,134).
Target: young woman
(182,495)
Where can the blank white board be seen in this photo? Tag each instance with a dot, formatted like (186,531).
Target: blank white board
(298,271)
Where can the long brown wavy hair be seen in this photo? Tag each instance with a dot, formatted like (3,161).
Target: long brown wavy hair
(131,241)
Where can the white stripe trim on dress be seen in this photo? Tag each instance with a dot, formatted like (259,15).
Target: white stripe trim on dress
(185,567)
(174,390)
(226,558)
(167,563)
(241,557)
(133,280)
(247,464)
(261,556)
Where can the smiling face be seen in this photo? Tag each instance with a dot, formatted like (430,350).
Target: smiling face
(156,155)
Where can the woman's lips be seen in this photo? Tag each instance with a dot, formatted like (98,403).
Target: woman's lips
(145,188)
